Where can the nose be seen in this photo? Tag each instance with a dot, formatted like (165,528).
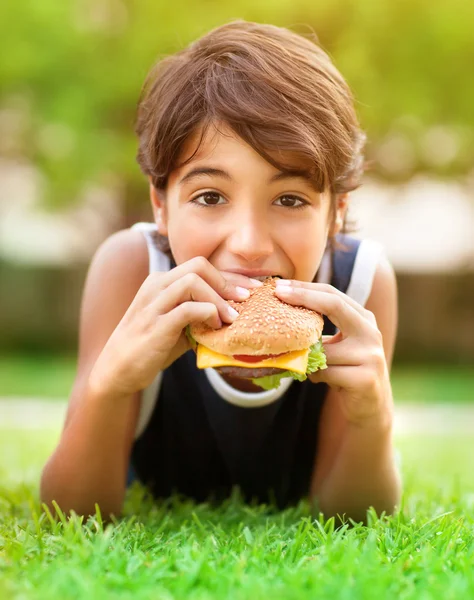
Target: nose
(251,237)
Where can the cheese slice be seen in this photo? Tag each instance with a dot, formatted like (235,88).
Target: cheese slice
(291,361)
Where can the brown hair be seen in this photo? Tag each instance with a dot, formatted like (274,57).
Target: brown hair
(278,90)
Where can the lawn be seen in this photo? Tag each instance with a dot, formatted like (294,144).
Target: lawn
(241,551)
(184,550)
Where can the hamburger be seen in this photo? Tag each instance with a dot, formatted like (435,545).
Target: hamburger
(268,341)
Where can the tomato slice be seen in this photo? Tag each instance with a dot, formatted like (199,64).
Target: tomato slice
(254,359)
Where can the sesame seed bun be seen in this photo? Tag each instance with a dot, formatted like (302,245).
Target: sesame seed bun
(266,325)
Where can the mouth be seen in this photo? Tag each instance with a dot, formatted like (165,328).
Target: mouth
(259,274)
(263,277)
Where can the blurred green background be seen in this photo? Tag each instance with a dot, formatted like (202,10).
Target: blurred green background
(70,76)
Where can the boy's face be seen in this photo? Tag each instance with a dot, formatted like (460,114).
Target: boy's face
(231,206)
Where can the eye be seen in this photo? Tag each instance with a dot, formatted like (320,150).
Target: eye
(208,199)
(289,201)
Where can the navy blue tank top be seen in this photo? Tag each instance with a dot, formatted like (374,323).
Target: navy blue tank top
(198,445)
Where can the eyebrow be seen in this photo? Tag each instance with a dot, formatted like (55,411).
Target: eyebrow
(198,172)
(295,174)
(280,176)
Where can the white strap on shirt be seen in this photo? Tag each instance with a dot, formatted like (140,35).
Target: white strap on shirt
(366,261)
(158,261)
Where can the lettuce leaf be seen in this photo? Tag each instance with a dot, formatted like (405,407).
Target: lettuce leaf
(316,358)
(316,361)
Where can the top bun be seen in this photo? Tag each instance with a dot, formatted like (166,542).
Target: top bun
(265,325)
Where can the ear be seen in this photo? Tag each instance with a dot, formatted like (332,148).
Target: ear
(158,205)
(342,202)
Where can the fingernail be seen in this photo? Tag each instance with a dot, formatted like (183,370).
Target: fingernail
(242,293)
(256,282)
(283,282)
(284,289)
(233,314)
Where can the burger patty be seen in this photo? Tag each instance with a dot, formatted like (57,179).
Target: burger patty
(245,373)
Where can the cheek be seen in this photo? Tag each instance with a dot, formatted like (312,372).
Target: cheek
(304,245)
(189,237)
(306,235)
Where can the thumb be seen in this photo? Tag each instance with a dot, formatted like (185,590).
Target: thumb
(332,339)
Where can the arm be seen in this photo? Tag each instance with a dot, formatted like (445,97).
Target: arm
(132,327)
(355,468)
(355,465)
(90,462)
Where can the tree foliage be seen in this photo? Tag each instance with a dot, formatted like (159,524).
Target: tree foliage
(71,73)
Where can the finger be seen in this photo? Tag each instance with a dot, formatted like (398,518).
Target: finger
(233,287)
(335,376)
(323,287)
(345,353)
(192,312)
(191,288)
(352,379)
(340,312)
(241,280)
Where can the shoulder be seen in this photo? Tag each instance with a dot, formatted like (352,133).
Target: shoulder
(124,251)
(119,266)
(372,283)
(383,303)
(384,281)
(117,271)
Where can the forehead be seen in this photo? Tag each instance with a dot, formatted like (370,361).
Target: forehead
(220,141)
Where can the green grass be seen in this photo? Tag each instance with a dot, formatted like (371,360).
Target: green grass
(46,376)
(52,377)
(184,550)
(435,383)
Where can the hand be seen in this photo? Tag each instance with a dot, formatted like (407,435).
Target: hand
(151,336)
(357,368)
